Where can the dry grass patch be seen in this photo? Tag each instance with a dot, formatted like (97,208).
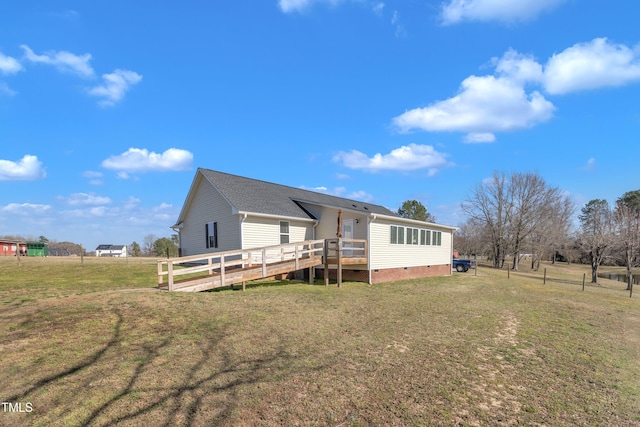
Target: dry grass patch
(460,350)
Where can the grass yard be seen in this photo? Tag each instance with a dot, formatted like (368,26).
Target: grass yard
(94,344)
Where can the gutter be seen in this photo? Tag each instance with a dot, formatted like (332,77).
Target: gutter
(412,221)
(271,216)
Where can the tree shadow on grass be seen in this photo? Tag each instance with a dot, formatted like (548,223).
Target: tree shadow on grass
(191,394)
(90,361)
(184,391)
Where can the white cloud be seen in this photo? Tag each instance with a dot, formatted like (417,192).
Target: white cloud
(484,104)
(591,65)
(361,195)
(141,160)
(9,65)
(84,199)
(162,207)
(479,138)
(115,85)
(342,192)
(518,68)
(131,203)
(21,208)
(28,168)
(92,174)
(378,8)
(505,101)
(288,6)
(405,158)
(64,61)
(455,11)
(4,88)
(95,178)
(590,165)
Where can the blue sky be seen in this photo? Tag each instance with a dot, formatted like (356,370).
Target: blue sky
(108,108)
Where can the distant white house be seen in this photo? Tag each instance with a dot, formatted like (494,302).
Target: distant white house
(112,250)
(225,212)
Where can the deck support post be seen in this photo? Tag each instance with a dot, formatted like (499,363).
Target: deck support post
(264,262)
(325,255)
(222,269)
(339,260)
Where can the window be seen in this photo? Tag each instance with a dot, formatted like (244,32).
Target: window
(211,234)
(397,235)
(284,232)
(412,236)
(425,237)
(437,238)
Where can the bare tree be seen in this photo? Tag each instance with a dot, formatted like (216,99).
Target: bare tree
(147,248)
(534,209)
(596,235)
(490,204)
(627,221)
(554,233)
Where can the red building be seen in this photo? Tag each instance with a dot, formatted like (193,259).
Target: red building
(10,248)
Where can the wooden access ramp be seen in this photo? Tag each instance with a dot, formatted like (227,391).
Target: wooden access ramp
(216,270)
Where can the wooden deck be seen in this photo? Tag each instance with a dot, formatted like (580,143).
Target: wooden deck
(215,270)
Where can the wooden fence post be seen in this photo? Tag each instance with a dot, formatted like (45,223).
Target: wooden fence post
(584,277)
(475,267)
(544,281)
(160,271)
(170,274)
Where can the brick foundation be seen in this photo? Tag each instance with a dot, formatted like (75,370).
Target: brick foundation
(393,274)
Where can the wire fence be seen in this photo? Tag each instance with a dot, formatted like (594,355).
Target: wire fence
(581,281)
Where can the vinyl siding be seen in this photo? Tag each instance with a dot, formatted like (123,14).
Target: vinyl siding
(328,222)
(387,255)
(259,231)
(208,205)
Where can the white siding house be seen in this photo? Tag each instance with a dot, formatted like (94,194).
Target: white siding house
(111,251)
(228,212)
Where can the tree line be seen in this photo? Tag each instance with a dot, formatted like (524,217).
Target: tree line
(153,246)
(509,215)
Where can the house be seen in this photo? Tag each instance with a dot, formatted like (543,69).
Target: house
(111,250)
(11,248)
(224,212)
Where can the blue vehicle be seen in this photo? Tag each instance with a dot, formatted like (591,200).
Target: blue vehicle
(463,265)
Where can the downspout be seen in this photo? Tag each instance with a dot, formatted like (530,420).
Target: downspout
(313,237)
(370,219)
(451,255)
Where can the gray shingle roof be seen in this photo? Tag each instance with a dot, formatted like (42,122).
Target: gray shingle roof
(251,195)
